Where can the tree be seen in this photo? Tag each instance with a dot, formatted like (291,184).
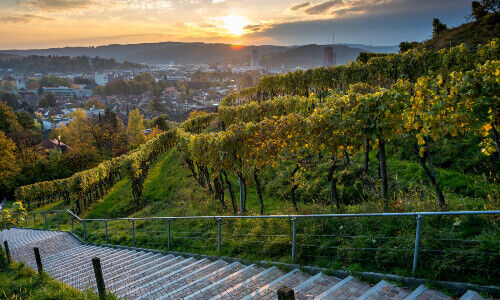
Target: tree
(10,98)
(77,133)
(161,122)
(25,120)
(438,27)
(51,100)
(491,5)
(95,103)
(405,46)
(8,120)
(8,85)
(135,128)
(144,77)
(478,10)
(8,166)
(43,103)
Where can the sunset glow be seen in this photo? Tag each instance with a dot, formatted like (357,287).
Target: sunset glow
(58,23)
(235,24)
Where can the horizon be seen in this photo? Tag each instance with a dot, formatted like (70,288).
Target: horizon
(184,42)
(46,24)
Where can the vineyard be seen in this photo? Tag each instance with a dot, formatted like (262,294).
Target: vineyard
(84,188)
(322,115)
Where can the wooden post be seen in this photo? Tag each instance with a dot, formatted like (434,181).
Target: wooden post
(101,288)
(7,251)
(38,260)
(285,293)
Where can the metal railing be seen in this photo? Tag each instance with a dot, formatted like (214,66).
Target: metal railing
(333,242)
(3,204)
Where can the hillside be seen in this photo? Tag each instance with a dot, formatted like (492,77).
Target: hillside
(308,56)
(170,190)
(471,34)
(203,53)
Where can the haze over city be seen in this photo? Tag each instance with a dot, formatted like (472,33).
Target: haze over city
(32,24)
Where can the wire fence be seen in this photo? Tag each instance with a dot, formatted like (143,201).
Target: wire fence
(437,245)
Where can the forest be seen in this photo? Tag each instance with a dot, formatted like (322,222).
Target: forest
(62,64)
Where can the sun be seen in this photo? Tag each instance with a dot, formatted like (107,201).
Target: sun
(235,25)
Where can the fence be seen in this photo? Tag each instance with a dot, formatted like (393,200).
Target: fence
(3,204)
(439,245)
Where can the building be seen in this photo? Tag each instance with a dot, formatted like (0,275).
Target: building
(63,91)
(101,79)
(329,57)
(171,92)
(48,145)
(254,58)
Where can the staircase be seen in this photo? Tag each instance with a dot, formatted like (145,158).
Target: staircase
(144,275)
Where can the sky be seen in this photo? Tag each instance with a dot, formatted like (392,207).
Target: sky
(28,24)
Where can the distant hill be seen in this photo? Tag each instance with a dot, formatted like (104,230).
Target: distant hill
(308,56)
(63,64)
(472,34)
(205,53)
(374,49)
(6,56)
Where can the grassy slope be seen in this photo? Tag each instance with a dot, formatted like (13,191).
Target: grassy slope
(21,282)
(472,33)
(170,190)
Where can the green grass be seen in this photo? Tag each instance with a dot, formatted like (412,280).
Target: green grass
(453,248)
(18,281)
(369,244)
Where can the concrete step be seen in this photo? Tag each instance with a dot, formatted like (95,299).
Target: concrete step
(136,286)
(152,287)
(134,274)
(471,295)
(268,291)
(385,290)
(423,293)
(171,286)
(144,269)
(251,284)
(314,286)
(220,286)
(202,282)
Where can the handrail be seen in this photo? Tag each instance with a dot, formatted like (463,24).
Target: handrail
(293,218)
(406,214)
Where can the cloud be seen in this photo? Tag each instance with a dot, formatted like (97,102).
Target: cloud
(59,4)
(322,7)
(207,26)
(255,27)
(23,18)
(300,5)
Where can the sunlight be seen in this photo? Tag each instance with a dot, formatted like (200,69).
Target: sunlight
(235,25)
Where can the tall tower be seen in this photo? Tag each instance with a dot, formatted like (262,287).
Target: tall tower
(254,58)
(329,56)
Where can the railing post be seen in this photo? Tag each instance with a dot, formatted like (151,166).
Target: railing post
(417,244)
(7,251)
(18,218)
(219,240)
(133,234)
(285,293)
(45,219)
(168,234)
(106,229)
(72,224)
(38,260)
(34,219)
(99,278)
(294,236)
(58,224)
(26,219)
(84,232)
